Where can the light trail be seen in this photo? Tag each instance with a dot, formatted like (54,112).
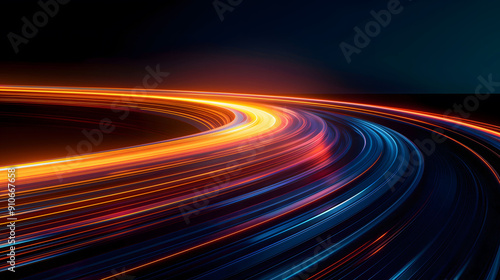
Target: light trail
(248,196)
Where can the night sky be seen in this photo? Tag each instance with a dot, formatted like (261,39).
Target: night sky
(260,46)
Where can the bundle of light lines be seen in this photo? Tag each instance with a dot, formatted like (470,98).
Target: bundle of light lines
(271,187)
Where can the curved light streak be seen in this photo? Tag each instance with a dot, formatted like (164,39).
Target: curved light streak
(271,187)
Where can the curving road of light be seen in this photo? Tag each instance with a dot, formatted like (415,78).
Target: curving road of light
(271,187)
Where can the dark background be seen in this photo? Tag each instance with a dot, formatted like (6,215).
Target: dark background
(273,47)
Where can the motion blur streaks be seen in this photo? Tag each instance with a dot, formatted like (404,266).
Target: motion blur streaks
(271,187)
